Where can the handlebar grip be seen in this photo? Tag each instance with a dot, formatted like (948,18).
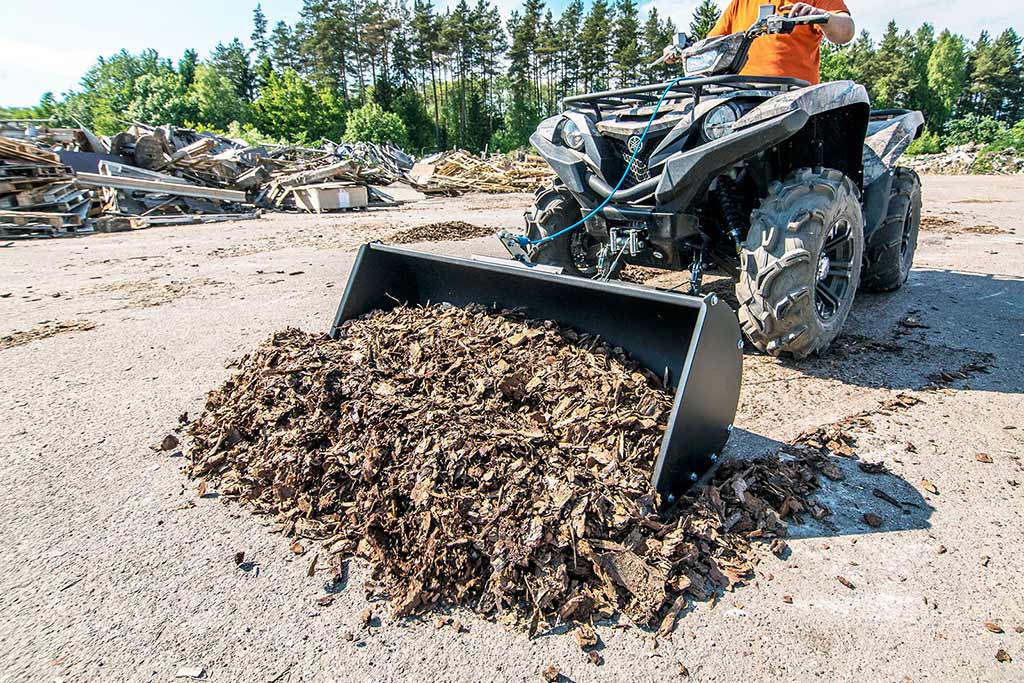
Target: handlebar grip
(809,19)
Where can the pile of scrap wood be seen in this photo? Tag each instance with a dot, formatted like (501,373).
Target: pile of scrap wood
(38,194)
(458,171)
(344,176)
(534,505)
(160,175)
(132,197)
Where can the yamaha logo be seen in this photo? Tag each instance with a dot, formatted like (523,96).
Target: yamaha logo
(633,144)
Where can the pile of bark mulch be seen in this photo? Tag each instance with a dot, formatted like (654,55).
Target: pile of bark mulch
(481,459)
(449,231)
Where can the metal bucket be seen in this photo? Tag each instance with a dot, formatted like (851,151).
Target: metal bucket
(693,341)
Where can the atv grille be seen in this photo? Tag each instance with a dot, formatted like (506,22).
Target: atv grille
(639,172)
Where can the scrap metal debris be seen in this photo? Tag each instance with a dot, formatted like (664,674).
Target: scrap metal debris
(483,459)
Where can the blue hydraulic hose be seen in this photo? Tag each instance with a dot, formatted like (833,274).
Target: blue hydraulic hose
(523,241)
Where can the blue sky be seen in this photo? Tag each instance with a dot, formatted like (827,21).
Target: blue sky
(49,45)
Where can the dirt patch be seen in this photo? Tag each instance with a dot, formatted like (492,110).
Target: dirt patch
(148,293)
(946,225)
(44,330)
(449,231)
(532,505)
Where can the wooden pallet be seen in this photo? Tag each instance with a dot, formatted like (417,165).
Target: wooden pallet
(26,218)
(15,149)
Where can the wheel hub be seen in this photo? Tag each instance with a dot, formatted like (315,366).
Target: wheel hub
(823,267)
(832,275)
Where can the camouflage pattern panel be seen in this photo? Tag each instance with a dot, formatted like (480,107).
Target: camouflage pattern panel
(814,99)
(887,140)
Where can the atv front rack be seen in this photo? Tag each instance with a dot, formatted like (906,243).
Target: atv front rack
(685,88)
(695,343)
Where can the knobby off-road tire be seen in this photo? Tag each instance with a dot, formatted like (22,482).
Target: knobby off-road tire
(813,212)
(576,252)
(889,250)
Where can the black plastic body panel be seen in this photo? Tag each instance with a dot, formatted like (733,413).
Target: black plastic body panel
(687,176)
(876,202)
(696,341)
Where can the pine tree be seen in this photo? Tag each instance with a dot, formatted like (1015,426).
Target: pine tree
(259,32)
(283,49)
(627,38)
(895,68)
(232,60)
(568,39)
(187,67)
(704,19)
(594,47)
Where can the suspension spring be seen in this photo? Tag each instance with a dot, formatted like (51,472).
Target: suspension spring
(727,195)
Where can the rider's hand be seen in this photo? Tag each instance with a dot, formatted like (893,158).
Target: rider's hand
(802,9)
(670,54)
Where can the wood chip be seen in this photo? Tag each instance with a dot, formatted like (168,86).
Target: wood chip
(929,487)
(983,457)
(993,627)
(351,443)
(846,582)
(1003,656)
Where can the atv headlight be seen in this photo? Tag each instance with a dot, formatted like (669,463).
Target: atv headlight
(571,135)
(719,122)
(701,62)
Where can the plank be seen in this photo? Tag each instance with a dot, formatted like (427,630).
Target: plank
(159,187)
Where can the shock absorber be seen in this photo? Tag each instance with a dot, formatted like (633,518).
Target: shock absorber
(728,201)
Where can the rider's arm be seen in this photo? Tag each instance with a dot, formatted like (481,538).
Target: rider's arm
(839,29)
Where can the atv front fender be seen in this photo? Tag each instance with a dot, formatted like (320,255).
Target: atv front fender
(688,174)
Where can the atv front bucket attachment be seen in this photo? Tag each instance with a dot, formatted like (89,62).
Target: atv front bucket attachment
(695,342)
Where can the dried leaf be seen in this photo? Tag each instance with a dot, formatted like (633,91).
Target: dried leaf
(312,566)
(169,443)
(929,487)
(1003,656)
(983,457)
(788,599)
(872,520)
(585,636)
(846,582)
(551,674)
(993,627)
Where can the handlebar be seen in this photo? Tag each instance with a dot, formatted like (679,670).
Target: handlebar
(772,24)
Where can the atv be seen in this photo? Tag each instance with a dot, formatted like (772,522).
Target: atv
(790,188)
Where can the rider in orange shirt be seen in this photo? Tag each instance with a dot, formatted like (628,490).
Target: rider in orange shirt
(797,55)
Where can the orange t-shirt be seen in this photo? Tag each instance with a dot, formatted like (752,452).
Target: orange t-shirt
(796,55)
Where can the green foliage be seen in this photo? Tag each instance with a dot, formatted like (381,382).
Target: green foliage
(627,34)
(370,123)
(161,98)
(947,73)
(704,19)
(294,109)
(216,99)
(973,128)
(928,143)
(463,77)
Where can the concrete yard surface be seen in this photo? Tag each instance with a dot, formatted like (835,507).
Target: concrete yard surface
(114,569)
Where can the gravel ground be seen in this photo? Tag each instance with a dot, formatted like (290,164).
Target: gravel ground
(113,569)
